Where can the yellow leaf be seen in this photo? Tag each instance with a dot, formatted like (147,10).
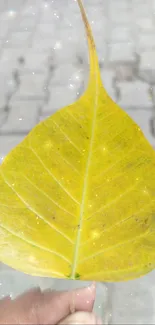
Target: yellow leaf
(77,195)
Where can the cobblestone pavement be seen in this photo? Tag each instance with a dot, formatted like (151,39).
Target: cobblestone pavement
(44,66)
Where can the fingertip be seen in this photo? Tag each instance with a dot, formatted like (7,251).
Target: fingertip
(92,288)
(85,297)
(81,318)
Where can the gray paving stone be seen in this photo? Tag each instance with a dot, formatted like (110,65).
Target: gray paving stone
(22,116)
(121,51)
(11,141)
(122,34)
(59,98)
(31,86)
(135,94)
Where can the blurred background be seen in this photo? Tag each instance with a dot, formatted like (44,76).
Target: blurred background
(44,66)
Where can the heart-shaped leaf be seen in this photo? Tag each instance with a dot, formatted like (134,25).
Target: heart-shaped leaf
(77,195)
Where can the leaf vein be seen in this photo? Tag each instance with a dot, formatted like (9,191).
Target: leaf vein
(67,137)
(74,118)
(115,200)
(41,191)
(35,212)
(34,244)
(120,222)
(111,140)
(51,174)
(115,246)
(116,162)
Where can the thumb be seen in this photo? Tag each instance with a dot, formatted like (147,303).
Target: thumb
(81,318)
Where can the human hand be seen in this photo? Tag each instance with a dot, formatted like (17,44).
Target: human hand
(36,307)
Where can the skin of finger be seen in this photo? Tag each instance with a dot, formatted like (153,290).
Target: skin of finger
(22,310)
(81,318)
(4,303)
(60,304)
(36,307)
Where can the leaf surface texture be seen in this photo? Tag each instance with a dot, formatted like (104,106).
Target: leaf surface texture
(77,195)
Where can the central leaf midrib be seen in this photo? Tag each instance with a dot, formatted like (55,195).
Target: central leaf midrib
(82,206)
